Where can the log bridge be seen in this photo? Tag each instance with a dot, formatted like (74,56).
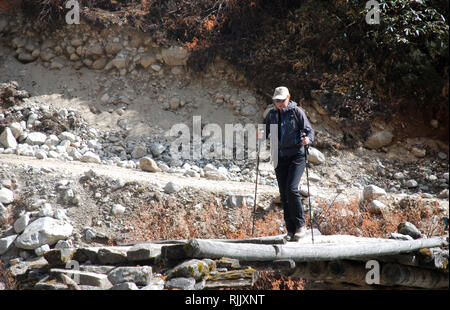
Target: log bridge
(335,259)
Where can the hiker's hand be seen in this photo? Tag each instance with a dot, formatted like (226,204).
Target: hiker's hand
(305,140)
(260,134)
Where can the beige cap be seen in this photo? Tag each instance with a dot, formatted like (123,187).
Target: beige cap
(280,93)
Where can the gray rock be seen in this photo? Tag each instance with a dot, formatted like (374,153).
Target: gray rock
(45,230)
(126,286)
(379,139)
(399,176)
(193,268)
(443,194)
(248,110)
(90,157)
(411,183)
(181,283)
(21,223)
(139,151)
(420,153)
(315,156)
(39,251)
(6,242)
(409,229)
(6,196)
(138,275)
(376,207)
(156,284)
(36,138)
(118,209)
(16,129)
(7,139)
(171,188)
(157,149)
(372,192)
(398,236)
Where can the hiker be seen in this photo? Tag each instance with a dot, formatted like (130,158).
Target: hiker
(294,131)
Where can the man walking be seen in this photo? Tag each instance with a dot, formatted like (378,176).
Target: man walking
(294,131)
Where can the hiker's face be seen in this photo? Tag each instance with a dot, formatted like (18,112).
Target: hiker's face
(280,104)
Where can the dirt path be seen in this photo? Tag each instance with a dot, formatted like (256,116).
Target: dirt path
(129,175)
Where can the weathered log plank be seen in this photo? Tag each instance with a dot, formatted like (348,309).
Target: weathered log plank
(355,273)
(197,248)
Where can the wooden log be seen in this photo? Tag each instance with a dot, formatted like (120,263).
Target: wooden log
(396,274)
(197,248)
(279,239)
(355,273)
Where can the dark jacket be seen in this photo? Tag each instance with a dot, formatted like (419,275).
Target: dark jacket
(290,129)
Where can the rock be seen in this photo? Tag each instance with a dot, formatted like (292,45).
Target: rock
(175,56)
(148,60)
(16,129)
(315,156)
(181,283)
(442,155)
(157,149)
(156,67)
(26,57)
(39,251)
(376,207)
(303,190)
(411,183)
(99,64)
(90,157)
(67,135)
(148,164)
(399,176)
(6,242)
(174,103)
(443,194)
(379,139)
(6,196)
(7,139)
(126,286)
(118,209)
(409,229)
(36,138)
(213,173)
(112,48)
(56,64)
(85,277)
(94,49)
(398,236)
(120,61)
(142,252)
(236,201)
(40,154)
(248,110)
(156,284)
(420,153)
(44,230)
(139,151)
(171,188)
(372,192)
(193,268)
(21,223)
(138,275)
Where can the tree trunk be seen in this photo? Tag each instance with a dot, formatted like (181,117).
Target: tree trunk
(196,248)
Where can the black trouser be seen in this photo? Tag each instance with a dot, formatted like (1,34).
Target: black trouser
(289,171)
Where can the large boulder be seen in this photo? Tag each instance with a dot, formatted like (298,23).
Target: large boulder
(45,230)
(139,275)
(36,138)
(7,139)
(175,56)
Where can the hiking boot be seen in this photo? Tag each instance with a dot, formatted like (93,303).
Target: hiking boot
(299,233)
(289,237)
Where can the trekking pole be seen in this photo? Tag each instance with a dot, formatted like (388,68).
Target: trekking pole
(256,184)
(309,194)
